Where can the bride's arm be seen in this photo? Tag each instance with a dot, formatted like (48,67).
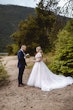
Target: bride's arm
(38,59)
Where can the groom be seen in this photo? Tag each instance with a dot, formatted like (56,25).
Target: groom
(21,64)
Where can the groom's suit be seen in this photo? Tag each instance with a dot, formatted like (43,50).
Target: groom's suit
(21,65)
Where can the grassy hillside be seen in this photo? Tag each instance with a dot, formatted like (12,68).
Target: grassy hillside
(10,16)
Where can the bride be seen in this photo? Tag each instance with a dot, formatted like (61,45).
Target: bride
(43,78)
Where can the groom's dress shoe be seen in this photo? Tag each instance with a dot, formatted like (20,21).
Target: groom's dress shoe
(23,84)
(20,85)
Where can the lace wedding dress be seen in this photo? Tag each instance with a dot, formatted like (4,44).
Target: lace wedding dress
(43,78)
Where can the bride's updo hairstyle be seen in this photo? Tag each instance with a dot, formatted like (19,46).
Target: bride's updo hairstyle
(38,49)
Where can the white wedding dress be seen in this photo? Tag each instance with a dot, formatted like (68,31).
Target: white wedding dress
(43,78)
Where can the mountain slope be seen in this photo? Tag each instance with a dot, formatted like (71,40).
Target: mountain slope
(10,16)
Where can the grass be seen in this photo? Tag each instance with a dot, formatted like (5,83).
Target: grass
(29,66)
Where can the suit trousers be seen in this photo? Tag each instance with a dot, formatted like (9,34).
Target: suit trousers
(20,74)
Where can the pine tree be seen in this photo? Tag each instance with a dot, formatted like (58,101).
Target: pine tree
(63,61)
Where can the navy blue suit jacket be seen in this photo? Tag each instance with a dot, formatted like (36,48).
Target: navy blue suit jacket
(21,59)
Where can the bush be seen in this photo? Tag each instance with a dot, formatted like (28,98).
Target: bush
(12,49)
(63,61)
(3,75)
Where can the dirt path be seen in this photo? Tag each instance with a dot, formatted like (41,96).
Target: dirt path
(13,97)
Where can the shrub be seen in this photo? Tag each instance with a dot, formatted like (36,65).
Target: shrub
(63,61)
(3,75)
(12,49)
